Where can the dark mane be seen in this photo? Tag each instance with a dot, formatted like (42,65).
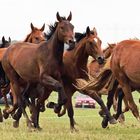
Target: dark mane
(26,39)
(79,36)
(52,28)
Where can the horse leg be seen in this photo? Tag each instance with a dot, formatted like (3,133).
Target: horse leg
(109,102)
(1,117)
(127,91)
(70,115)
(126,108)
(36,107)
(17,117)
(101,103)
(119,106)
(4,93)
(57,86)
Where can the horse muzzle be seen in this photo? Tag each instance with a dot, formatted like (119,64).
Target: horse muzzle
(100,60)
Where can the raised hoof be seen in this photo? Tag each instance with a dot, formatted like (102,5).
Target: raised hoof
(112,120)
(5,115)
(16,124)
(42,108)
(101,113)
(50,105)
(105,122)
(57,109)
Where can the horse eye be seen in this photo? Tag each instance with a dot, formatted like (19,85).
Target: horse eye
(62,28)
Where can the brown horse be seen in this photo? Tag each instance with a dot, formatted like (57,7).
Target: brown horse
(39,63)
(75,65)
(125,67)
(36,36)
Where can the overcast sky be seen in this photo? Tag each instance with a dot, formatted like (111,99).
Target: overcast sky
(114,20)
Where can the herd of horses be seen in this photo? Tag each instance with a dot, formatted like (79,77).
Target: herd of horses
(31,69)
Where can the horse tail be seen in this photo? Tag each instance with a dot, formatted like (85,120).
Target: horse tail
(95,84)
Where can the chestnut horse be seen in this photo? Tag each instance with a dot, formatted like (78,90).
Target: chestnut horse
(125,67)
(44,61)
(36,36)
(75,65)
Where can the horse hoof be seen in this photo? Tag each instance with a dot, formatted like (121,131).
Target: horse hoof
(50,105)
(57,109)
(42,109)
(15,124)
(101,113)
(5,115)
(15,117)
(39,128)
(104,122)
(112,120)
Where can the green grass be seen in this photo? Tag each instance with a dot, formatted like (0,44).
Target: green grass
(89,126)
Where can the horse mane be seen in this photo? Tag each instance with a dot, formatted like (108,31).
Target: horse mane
(26,39)
(80,36)
(52,28)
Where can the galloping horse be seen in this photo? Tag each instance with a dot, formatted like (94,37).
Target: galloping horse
(40,63)
(36,36)
(125,67)
(75,66)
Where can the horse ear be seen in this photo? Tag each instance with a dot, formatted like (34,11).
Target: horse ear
(9,39)
(95,31)
(43,27)
(111,45)
(32,26)
(58,17)
(69,17)
(88,31)
(3,39)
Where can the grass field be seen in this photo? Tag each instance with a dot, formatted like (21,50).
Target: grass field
(89,125)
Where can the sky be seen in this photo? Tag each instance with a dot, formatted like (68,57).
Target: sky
(115,20)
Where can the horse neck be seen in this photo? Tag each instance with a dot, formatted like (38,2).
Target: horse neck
(81,56)
(57,48)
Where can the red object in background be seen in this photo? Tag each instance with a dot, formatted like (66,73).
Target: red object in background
(84,101)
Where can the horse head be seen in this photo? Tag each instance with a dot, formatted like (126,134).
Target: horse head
(92,44)
(37,35)
(5,43)
(65,29)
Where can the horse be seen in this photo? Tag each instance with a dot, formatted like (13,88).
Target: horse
(43,64)
(125,68)
(87,44)
(4,44)
(35,36)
